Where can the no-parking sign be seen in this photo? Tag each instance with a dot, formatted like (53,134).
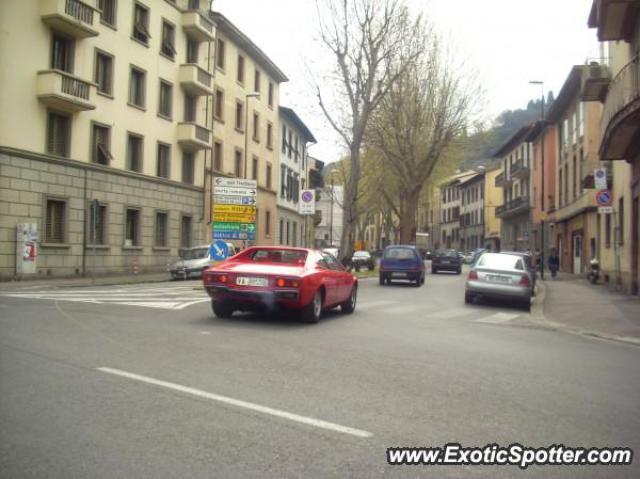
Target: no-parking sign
(307,202)
(604,198)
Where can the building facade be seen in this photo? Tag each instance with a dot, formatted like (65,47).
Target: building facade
(618,27)
(472,212)
(514,179)
(293,176)
(329,231)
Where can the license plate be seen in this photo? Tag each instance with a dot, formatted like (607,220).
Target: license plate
(445,261)
(398,275)
(498,279)
(244,281)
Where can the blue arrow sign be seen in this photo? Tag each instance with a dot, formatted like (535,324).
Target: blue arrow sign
(219,250)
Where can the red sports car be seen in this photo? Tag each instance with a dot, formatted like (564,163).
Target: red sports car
(274,277)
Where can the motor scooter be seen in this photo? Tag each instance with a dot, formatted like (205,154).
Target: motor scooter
(594,271)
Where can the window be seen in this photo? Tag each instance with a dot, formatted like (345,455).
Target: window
(185,232)
(188,161)
(281,230)
(192,51)
(268,181)
(270,135)
(581,119)
(240,73)
(217,156)
(238,163)
(620,235)
(54,231)
(283,181)
(295,149)
(254,166)
(295,234)
(134,152)
(220,54)
(167,47)
(219,105)
(194,4)
(58,134)
(565,132)
(288,232)
(62,53)
(98,235)
(256,127)
(141,23)
(162,221)
(271,94)
(607,231)
(239,111)
(190,103)
(164,160)
(104,73)
(165,107)
(108,14)
(132,227)
(267,224)
(100,144)
(137,87)
(284,139)
(256,81)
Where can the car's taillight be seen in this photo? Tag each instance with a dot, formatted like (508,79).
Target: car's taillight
(473,275)
(287,283)
(524,280)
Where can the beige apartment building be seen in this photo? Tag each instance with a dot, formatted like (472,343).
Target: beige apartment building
(117,104)
(245,110)
(493,198)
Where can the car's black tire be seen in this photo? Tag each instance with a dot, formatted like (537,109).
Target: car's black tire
(349,306)
(357,268)
(459,271)
(434,270)
(468,297)
(526,305)
(311,312)
(423,278)
(222,309)
(381,280)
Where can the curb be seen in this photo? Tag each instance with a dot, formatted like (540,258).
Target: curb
(537,314)
(61,283)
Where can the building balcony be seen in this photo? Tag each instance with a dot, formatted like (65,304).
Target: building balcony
(612,19)
(585,202)
(193,137)
(65,92)
(595,83)
(514,207)
(502,181)
(620,125)
(519,170)
(73,17)
(197,27)
(195,80)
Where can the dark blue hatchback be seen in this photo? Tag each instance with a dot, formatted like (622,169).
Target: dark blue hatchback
(401,262)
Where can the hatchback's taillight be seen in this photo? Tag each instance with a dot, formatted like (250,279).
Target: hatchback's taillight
(524,280)
(287,283)
(473,275)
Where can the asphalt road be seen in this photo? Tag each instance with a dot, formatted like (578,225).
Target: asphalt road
(142,381)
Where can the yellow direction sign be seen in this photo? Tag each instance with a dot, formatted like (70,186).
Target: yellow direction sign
(246,210)
(543,216)
(234,217)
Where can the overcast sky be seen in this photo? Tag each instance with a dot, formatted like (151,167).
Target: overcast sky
(508,42)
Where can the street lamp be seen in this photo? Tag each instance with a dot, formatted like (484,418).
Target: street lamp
(254,94)
(543,211)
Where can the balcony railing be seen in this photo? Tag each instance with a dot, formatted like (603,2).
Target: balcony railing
(595,82)
(501,180)
(519,170)
(64,91)
(73,17)
(197,26)
(514,207)
(622,100)
(192,136)
(195,80)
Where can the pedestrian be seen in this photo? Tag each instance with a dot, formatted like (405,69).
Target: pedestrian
(554,263)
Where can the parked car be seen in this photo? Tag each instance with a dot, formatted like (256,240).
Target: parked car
(446,260)
(335,252)
(476,255)
(271,278)
(191,262)
(468,257)
(531,267)
(500,276)
(427,254)
(401,262)
(363,259)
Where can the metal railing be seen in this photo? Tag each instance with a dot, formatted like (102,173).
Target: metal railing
(500,179)
(204,77)
(202,134)
(623,89)
(519,168)
(79,11)
(75,87)
(521,202)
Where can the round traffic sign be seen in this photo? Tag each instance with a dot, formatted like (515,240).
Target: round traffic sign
(307,196)
(603,198)
(219,250)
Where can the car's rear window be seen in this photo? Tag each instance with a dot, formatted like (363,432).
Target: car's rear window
(446,252)
(399,253)
(278,256)
(361,254)
(193,253)
(500,261)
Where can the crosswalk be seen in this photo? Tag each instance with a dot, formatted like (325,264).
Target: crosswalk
(172,296)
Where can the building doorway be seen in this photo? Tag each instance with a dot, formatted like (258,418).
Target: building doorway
(577,253)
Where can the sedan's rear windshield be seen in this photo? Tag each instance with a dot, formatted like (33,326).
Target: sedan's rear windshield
(278,256)
(193,253)
(500,261)
(361,254)
(446,252)
(399,253)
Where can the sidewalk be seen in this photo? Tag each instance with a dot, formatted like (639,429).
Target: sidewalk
(87,281)
(572,303)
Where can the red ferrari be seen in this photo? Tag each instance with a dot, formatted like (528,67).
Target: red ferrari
(273,277)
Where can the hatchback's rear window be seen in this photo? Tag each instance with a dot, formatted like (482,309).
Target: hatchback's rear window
(501,261)
(399,253)
(278,256)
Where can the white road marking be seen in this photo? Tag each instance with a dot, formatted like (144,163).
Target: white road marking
(450,313)
(319,423)
(498,318)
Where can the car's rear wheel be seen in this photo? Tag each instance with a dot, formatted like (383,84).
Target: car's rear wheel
(468,297)
(459,271)
(222,309)
(526,305)
(349,305)
(434,270)
(311,312)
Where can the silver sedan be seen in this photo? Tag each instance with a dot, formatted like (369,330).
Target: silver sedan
(500,276)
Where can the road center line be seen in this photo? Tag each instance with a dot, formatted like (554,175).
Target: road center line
(239,403)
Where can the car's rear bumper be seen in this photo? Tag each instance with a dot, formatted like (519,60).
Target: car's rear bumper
(447,266)
(401,274)
(185,272)
(499,290)
(252,298)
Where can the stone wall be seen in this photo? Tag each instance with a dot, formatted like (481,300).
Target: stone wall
(27,180)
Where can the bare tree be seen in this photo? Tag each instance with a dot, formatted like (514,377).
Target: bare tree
(418,123)
(366,39)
